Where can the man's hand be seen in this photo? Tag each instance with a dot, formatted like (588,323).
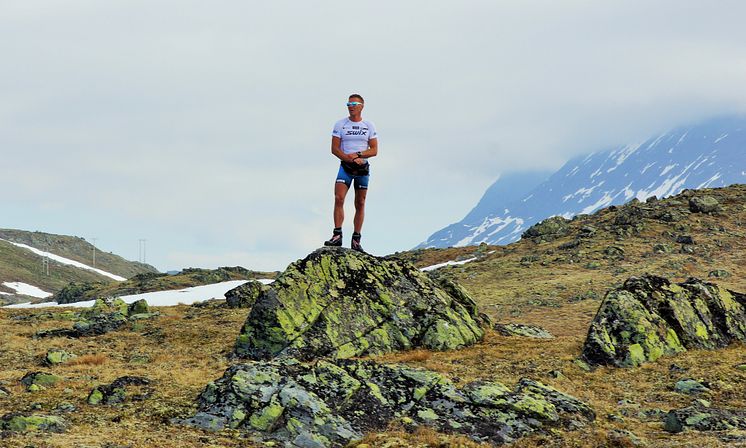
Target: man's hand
(359,160)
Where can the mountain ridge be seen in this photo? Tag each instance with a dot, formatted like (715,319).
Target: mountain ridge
(707,154)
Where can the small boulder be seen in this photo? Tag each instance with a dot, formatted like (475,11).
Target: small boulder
(548,230)
(704,204)
(528,331)
(138,307)
(56,356)
(117,391)
(245,295)
(32,423)
(690,387)
(704,419)
(35,381)
(718,273)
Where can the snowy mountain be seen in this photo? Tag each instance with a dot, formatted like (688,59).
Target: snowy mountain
(709,154)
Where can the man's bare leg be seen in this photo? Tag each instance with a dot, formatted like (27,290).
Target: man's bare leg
(340,192)
(360,195)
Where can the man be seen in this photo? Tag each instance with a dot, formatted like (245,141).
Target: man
(354,141)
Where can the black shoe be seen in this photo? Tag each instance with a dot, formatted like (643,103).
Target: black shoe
(355,245)
(335,240)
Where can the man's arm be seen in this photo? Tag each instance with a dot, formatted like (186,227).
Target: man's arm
(338,153)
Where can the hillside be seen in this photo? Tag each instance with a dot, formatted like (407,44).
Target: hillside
(19,264)
(702,155)
(555,277)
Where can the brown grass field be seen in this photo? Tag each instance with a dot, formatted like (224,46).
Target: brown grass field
(186,347)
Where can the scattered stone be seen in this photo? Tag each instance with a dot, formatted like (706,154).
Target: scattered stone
(4,392)
(587,231)
(685,239)
(582,365)
(569,245)
(719,273)
(548,230)
(334,403)
(593,265)
(138,307)
(624,438)
(556,374)
(704,419)
(662,249)
(529,331)
(104,316)
(614,253)
(690,387)
(741,367)
(32,423)
(704,204)
(36,381)
(650,317)
(116,392)
(245,295)
(56,356)
(341,303)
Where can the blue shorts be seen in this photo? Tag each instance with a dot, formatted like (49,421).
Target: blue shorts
(361,182)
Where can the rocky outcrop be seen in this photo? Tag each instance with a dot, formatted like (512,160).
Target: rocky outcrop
(527,331)
(340,303)
(548,230)
(650,317)
(704,204)
(117,391)
(31,423)
(104,316)
(36,381)
(703,418)
(332,403)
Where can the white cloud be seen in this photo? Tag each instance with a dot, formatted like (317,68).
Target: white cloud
(205,127)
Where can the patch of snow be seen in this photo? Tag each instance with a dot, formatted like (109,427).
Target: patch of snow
(720,138)
(573,171)
(528,197)
(67,261)
(646,167)
(184,296)
(668,168)
(623,154)
(595,173)
(27,290)
(709,181)
(447,263)
(603,202)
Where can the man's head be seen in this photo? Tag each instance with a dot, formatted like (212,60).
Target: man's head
(355,103)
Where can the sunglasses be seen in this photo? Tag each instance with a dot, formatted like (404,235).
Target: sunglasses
(353,103)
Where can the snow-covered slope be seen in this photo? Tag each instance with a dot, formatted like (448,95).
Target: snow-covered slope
(710,154)
(66,261)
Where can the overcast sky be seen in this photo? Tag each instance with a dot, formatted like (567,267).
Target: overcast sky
(204,127)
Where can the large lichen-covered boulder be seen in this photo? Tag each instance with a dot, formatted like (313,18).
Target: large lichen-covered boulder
(329,404)
(649,317)
(341,303)
(245,296)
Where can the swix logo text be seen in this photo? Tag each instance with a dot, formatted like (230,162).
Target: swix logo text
(364,132)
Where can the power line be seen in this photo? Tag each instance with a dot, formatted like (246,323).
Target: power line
(143,249)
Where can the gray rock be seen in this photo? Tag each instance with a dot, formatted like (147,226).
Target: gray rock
(650,317)
(333,403)
(529,331)
(690,387)
(341,303)
(704,204)
(245,295)
(548,230)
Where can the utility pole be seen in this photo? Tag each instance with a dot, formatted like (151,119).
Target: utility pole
(45,265)
(94,251)
(142,254)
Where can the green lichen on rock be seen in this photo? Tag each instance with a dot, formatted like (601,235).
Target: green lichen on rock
(650,317)
(340,303)
(121,389)
(32,423)
(57,356)
(334,403)
(528,331)
(701,418)
(35,381)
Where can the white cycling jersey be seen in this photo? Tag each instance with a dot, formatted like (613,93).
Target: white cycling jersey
(354,134)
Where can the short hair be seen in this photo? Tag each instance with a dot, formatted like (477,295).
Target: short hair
(357,95)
